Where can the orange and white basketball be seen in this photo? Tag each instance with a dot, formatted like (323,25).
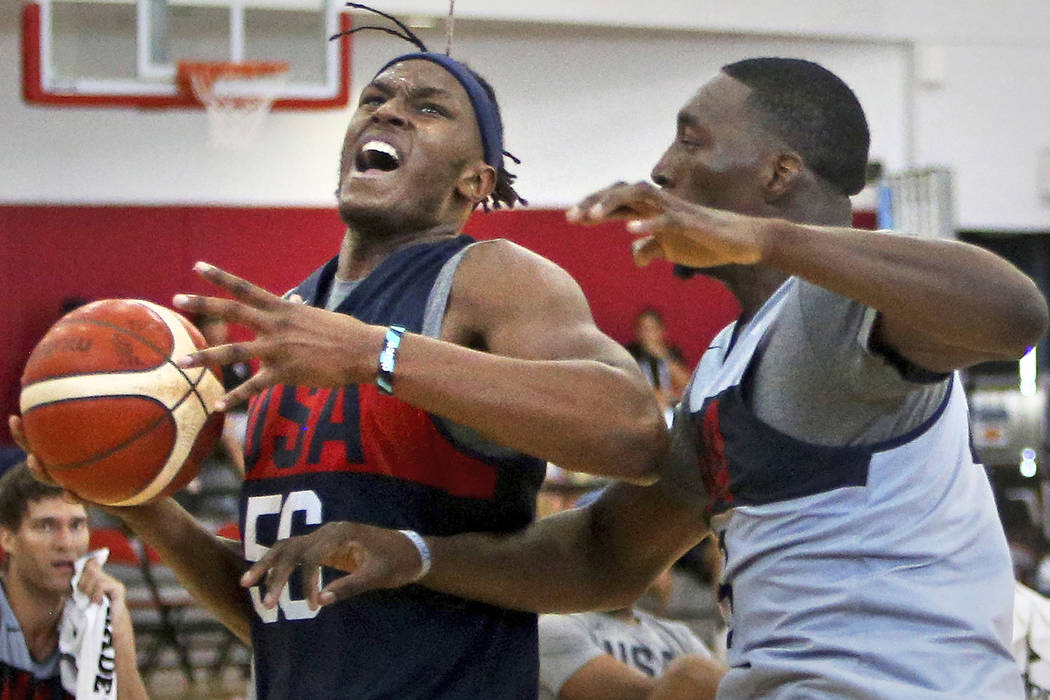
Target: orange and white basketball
(107,411)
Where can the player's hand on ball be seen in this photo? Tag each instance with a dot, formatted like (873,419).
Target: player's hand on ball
(374,557)
(673,228)
(14,424)
(294,343)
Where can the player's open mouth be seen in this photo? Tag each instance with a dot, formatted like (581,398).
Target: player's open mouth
(377,156)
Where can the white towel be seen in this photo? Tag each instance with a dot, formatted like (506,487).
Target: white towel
(85,641)
(1032,637)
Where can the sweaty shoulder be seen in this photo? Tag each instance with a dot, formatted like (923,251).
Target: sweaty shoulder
(511,301)
(498,279)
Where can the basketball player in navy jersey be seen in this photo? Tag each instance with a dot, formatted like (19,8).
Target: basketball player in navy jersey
(824,435)
(422,386)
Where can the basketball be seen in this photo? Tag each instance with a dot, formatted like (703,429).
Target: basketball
(107,411)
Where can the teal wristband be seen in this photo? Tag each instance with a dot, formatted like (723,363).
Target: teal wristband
(388,360)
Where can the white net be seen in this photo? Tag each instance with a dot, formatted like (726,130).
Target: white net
(236,97)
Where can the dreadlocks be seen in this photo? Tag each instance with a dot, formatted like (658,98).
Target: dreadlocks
(503,194)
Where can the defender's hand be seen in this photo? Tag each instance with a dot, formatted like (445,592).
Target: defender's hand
(674,229)
(295,343)
(375,557)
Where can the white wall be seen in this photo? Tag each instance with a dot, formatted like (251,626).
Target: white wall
(983,20)
(585,105)
(988,120)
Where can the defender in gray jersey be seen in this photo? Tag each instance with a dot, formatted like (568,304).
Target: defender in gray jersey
(824,436)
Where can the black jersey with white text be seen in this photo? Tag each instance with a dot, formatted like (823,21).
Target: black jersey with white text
(320,455)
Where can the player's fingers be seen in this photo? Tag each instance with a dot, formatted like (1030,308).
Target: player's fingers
(227,354)
(36,468)
(257,571)
(361,581)
(240,288)
(651,225)
(230,310)
(280,571)
(256,384)
(645,250)
(622,202)
(578,214)
(14,424)
(311,586)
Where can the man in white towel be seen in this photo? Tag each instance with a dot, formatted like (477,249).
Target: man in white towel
(43,534)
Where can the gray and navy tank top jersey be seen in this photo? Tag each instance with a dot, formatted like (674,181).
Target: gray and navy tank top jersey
(20,676)
(857,570)
(320,455)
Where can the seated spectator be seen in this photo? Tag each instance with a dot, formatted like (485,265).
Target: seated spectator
(623,654)
(43,533)
(661,363)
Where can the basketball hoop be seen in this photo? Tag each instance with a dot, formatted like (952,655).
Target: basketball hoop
(236,96)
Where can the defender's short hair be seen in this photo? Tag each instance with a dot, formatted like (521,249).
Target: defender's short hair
(814,112)
(18,489)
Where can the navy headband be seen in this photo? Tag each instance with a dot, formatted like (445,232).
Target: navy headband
(485,111)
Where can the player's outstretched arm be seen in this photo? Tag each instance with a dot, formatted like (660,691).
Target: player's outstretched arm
(600,557)
(550,383)
(943,304)
(207,566)
(543,379)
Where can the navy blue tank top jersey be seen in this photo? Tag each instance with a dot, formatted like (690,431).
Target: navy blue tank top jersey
(320,455)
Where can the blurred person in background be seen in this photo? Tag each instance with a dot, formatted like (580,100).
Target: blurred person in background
(661,363)
(43,532)
(624,654)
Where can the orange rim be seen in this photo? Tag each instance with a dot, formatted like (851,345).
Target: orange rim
(207,72)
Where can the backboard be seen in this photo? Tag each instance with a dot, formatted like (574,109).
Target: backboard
(124,52)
